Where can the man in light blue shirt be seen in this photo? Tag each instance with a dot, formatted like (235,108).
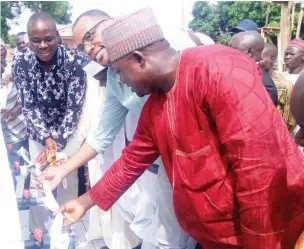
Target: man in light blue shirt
(119,101)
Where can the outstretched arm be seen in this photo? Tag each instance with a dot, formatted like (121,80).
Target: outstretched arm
(111,120)
(135,159)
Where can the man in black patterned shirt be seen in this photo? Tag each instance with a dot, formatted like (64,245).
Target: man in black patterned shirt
(52,87)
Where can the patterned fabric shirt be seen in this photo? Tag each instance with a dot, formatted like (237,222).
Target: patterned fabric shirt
(51,101)
(284,91)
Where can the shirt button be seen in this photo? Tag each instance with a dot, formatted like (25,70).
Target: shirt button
(55,135)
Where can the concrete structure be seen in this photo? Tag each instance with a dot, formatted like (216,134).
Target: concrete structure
(65,31)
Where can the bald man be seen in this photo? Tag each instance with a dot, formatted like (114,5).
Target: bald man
(52,87)
(252,44)
(284,87)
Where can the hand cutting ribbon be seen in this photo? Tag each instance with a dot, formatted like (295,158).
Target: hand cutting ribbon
(59,240)
(42,162)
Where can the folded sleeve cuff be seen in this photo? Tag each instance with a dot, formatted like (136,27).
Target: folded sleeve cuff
(95,144)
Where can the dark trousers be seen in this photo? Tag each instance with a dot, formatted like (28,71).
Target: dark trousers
(13,157)
(81,181)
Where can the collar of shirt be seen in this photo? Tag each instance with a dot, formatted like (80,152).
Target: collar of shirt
(57,59)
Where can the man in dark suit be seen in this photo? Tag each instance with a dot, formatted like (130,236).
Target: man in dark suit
(252,44)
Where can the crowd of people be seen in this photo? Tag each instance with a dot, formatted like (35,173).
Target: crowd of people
(188,144)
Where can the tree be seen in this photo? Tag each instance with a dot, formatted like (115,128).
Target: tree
(57,9)
(300,20)
(10,10)
(6,14)
(206,19)
(256,11)
(11,40)
(216,19)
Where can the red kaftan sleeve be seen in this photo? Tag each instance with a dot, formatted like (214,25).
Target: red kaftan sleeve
(135,159)
(247,124)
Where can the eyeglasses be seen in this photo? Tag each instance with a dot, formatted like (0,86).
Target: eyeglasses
(89,35)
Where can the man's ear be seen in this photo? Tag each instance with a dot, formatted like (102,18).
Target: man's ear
(272,59)
(139,58)
(250,51)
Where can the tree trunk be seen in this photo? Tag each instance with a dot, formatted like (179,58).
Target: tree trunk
(267,14)
(300,21)
(292,16)
(285,31)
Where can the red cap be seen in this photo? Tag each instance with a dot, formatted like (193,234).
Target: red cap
(299,43)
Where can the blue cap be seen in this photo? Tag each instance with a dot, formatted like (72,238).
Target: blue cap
(245,25)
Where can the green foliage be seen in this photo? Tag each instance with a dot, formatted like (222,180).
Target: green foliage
(216,19)
(256,11)
(223,39)
(206,18)
(59,10)
(11,40)
(6,14)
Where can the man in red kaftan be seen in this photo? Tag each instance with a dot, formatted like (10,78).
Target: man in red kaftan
(236,173)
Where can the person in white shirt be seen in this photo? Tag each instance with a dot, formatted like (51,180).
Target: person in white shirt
(10,228)
(12,121)
(10,232)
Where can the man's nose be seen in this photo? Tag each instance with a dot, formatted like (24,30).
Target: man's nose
(88,49)
(43,44)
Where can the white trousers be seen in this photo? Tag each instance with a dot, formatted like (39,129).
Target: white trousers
(39,215)
(169,233)
(10,229)
(156,191)
(108,225)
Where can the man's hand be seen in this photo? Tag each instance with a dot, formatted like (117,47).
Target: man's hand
(299,138)
(7,115)
(54,175)
(13,113)
(74,210)
(50,145)
(41,159)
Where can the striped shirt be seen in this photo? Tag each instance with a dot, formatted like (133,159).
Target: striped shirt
(14,130)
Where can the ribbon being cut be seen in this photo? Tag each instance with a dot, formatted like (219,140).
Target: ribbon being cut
(60,238)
